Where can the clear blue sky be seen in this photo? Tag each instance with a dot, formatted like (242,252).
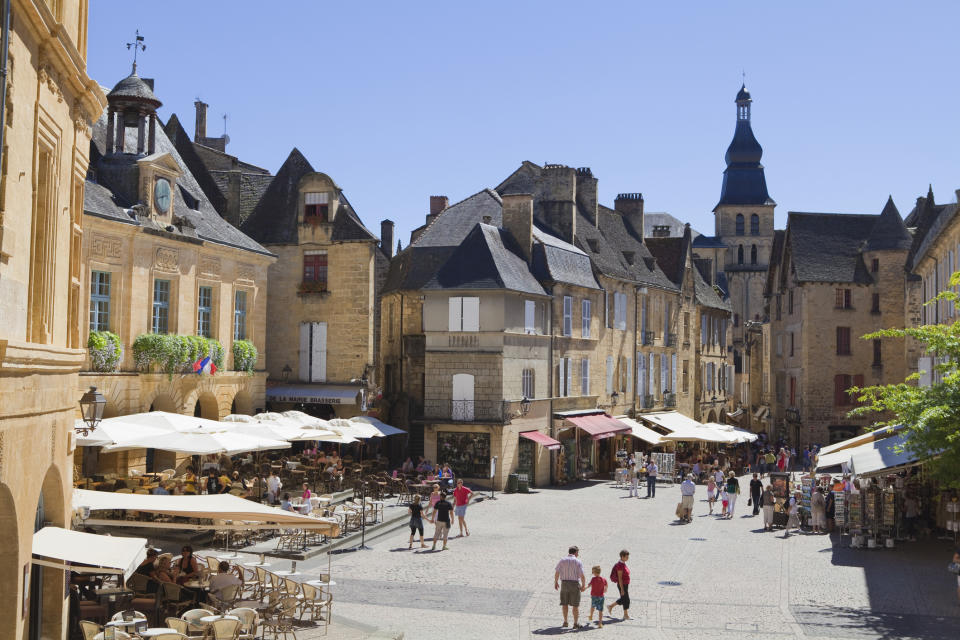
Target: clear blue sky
(398,101)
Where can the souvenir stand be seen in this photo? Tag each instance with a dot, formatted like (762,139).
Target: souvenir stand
(665,465)
(806,494)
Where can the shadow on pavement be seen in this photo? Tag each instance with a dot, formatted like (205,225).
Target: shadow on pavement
(857,623)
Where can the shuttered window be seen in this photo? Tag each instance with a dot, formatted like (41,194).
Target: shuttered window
(843,341)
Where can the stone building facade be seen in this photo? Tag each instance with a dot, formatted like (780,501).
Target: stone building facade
(600,328)
(157,258)
(323,307)
(48,105)
(836,278)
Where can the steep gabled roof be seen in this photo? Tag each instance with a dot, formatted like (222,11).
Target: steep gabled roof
(274,219)
(670,257)
(929,219)
(626,240)
(825,247)
(776,260)
(557,261)
(190,203)
(178,136)
(483,261)
(889,232)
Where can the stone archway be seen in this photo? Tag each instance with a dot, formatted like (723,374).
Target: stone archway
(164,402)
(47,584)
(206,406)
(242,403)
(10,587)
(712,416)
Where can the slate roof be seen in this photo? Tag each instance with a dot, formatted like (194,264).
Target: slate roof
(889,233)
(453,224)
(557,261)
(743,180)
(653,219)
(776,259)
(274,218)
(181,140)
(117,174)
(133,86)
(625,239)
(937,219)
(483,261)
(670,258)
(825,247)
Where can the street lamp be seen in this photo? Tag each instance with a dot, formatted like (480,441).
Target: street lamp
(524,405)
(613,398)
(91,408)
(285,372)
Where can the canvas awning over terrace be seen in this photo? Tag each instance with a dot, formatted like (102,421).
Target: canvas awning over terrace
(541,439)
(599,426)
(100,554)
(245,514)
(646,434)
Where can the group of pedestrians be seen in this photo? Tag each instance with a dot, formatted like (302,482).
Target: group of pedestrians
(648,470)
(440,512)
(570,581)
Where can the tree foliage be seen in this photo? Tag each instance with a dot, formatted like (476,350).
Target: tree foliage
(930,415)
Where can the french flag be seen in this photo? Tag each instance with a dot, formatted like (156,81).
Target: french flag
(203,366)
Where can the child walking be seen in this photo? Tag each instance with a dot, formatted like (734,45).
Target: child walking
(711,492)
(725,501)
(598,587)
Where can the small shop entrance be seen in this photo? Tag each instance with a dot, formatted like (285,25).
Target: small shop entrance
(526,459)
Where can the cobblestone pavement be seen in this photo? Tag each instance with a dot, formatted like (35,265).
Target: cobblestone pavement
(711,578)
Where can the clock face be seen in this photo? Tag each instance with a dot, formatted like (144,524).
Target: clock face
(161,195)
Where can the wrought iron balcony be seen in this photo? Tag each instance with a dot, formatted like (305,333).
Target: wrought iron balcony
(670,399)
(464,410)
(671,339)
(648,402)
(646,338)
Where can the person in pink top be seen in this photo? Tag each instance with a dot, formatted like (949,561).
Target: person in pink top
(434,498)
(461,496)
(620,575)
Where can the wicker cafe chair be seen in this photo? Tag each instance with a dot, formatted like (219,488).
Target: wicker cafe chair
(318,604)
(249,620)
(174,598)
(192,618)
(280,619)
(89,629)
(224,629)
(227,598)
(177,624)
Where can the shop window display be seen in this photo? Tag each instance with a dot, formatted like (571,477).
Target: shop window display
(468,454)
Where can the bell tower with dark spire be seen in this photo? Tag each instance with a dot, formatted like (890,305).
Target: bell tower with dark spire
(744,220)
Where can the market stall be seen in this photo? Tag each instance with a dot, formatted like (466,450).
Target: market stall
(581,434)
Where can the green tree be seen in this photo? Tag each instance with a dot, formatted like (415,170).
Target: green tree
(930,415)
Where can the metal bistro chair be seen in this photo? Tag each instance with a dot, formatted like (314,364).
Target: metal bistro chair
(89,629)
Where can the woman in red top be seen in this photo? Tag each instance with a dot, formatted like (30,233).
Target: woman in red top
(620,574)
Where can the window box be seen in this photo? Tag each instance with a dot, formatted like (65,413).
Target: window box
(312,287)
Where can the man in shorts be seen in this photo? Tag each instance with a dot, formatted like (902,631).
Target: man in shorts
(461,496)
(568,578)
(442,510)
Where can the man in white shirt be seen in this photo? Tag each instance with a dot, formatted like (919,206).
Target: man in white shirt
(273,487)
(569,574)
(222,580)
(687,489)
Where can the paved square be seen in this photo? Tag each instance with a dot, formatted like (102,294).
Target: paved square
(708,579)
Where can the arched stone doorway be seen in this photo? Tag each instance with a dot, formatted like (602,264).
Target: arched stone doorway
(164,402)
(46,583)
(712,416)
(9,560)
(207,406)
(242,403)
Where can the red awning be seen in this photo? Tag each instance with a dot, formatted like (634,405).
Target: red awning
(541,438)
(599,426)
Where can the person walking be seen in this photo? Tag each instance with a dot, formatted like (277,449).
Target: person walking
(461,497)
(634,480)
(568,578)
(434,497)
(620,574)
(687,489)
(711,492)
(651,478)
(598,587)
(443,510)
(756,488)
(767,499)
(733,490)
(793,515)
(818,511)
(416,522)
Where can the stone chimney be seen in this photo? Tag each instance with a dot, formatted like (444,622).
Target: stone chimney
(200,130)
(386,237)
(557,202)
(587,194)
(630,206)
(518,221)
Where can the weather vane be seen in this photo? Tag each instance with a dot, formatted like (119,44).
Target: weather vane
(135,45)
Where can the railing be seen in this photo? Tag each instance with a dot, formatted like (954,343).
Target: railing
(670,399)
(463,410)
(671,339)
(646,338)
(648,402)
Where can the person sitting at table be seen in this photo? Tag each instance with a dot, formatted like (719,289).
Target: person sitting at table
(225,482)
(446,475)
(147,568)
(407,466)
(223,579)
(285,503)
(163,571)
(190,482)
(187,567)
(161,490)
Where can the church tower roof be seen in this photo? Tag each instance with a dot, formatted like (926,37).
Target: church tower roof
(743,180)
(889,232)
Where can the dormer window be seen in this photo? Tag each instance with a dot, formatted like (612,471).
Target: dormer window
(628,256)
(316,208)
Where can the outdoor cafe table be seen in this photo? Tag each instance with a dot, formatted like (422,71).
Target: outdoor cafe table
(208,620)
(155,631)
(126,623)
(287,574)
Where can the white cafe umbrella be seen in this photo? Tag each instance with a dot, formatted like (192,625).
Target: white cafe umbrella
(359,430)
(202,442)
(114,431)
(338,438)
(279,432)
(238,417)
(306,420)
(166,421)
(384,428)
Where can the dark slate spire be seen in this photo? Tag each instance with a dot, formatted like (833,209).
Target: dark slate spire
(889,232)
(743,179)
